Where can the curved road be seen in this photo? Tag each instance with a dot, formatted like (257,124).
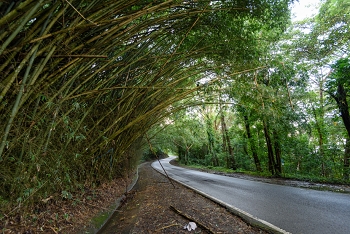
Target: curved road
(295,210)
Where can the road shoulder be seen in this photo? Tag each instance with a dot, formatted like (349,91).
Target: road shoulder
(148,210)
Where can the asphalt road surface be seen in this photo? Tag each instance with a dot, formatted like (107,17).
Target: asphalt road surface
(295,210)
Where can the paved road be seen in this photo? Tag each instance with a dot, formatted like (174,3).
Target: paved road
(295,210)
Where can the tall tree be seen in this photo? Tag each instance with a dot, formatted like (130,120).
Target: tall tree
(251,140)
(338,89)
(230,159)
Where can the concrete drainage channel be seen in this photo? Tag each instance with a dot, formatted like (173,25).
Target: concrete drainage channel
(248,218)
(98,222)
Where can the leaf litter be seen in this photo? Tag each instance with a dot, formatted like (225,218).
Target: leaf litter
(152,210)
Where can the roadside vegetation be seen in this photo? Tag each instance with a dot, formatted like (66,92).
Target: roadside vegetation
(287,118)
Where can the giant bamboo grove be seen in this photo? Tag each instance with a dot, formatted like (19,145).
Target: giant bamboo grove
(82,81)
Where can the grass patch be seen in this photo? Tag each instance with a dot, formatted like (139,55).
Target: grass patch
(315,179)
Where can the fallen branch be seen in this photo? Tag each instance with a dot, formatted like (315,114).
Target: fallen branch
(155,154)
(81,14)
(79,56)
(53,229)
(191,219)
(171,225)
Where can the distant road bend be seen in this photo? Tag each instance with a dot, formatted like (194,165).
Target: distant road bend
(295,210)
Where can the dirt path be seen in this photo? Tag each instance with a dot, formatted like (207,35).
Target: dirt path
(147,210)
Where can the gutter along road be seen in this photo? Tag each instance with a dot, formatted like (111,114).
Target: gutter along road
(295,210)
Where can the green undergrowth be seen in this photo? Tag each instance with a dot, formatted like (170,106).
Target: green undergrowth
(152,155)
(315,179)
(266,174)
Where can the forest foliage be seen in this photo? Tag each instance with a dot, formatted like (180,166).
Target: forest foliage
(87,86)
(287,117)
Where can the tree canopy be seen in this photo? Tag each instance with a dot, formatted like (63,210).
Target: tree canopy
(83,81)
(287,99)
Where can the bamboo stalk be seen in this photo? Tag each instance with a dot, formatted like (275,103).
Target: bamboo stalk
(80,13)
(10,79)
(36,75)
(11,15)
(15,107)
(19,28)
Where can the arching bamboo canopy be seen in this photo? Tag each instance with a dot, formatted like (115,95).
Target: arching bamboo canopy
(82,81)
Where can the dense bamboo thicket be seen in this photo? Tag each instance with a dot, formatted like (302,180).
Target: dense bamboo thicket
(82,81)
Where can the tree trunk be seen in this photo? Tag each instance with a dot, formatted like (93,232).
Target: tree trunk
(343,107)
(320,126)
(271,158)
(252,144)
(320,139)
(346,170)
(277,146)
(231,162)
(223,127)
(344,111)
(211,142)
(181,154)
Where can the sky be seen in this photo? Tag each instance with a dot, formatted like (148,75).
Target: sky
(304,8)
